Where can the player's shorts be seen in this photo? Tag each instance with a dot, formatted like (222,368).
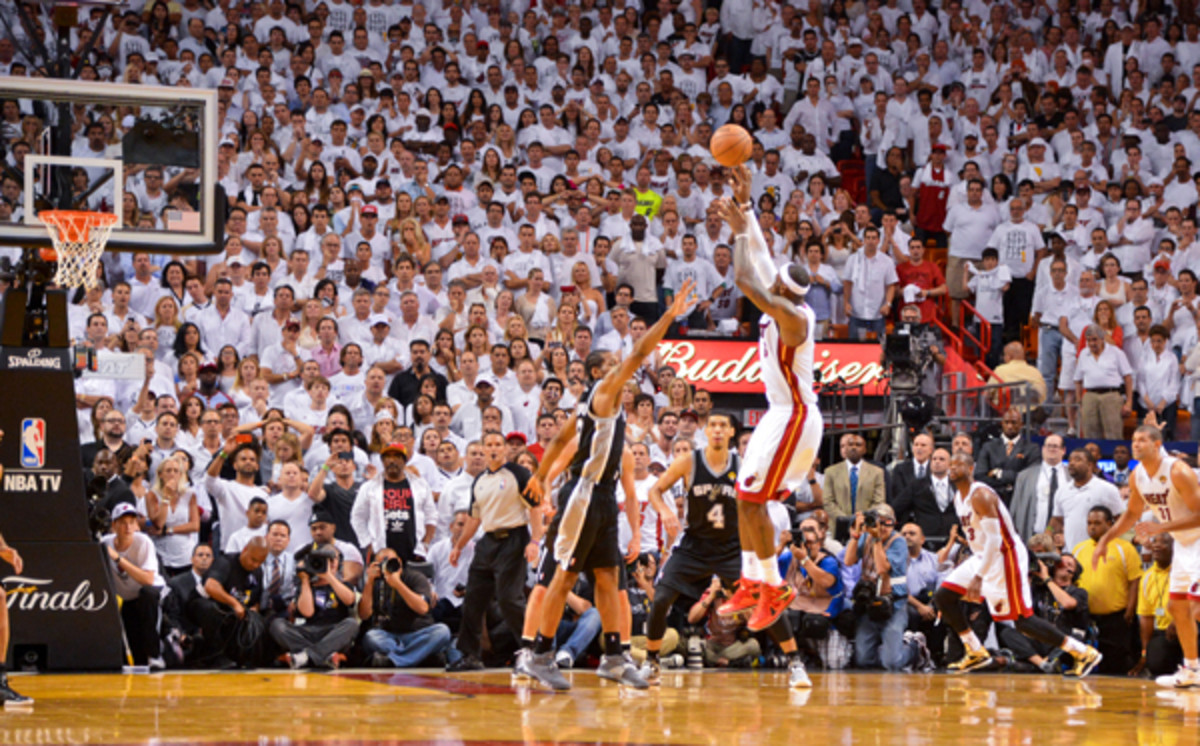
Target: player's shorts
(597,538)
(780,453)
(692,564)
(547,568)
(1006,588)
(1185,571)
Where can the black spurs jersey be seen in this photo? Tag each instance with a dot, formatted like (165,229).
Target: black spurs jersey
(711,502)
(601,442)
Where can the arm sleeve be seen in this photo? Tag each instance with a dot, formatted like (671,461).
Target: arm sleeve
(760,255)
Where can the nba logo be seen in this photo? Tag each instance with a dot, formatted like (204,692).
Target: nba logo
(33,442)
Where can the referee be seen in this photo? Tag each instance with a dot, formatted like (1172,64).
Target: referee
(499,566)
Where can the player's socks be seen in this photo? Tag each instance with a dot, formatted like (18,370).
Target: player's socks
(527,643)
(1073,646)
(543,644)
(1193,663)
(751,570)
(970,641)
(612,643)
(652,655)
(770,571)
(625,648)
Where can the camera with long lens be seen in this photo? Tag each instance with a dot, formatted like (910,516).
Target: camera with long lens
(317,560)
(391,565)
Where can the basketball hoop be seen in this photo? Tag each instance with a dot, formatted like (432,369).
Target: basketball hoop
(79,239)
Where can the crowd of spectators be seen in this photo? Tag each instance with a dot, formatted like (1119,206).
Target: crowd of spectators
(439,208)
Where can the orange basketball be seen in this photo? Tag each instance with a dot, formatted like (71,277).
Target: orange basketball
(731,145)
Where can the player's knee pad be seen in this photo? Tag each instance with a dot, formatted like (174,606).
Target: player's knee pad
(664,599)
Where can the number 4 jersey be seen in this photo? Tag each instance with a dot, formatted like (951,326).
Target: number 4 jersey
(711,501)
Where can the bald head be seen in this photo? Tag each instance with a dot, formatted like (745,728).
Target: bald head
(1014,351)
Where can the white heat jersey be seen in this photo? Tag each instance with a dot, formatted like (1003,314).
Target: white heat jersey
(787,371)
(973,528)
(1160,495)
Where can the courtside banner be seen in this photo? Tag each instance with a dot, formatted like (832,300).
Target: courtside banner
(731,366)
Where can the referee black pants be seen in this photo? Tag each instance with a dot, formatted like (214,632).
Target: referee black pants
(498,570)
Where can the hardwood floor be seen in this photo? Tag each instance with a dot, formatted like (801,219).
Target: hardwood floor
(373,706)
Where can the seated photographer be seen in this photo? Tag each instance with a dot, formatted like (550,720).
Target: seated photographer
(397,604)
(227,608)
(179,628)
(729,643)
(813,573)
(1161,652)
(881,595)
(135,580)
(923,580)
(1056,599)
(324,601)
(323,529)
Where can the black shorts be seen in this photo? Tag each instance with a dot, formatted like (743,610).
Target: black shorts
(599,543)
(691,566)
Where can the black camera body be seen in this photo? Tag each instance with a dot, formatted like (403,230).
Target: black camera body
(391,565)
(317,560)
(871,518)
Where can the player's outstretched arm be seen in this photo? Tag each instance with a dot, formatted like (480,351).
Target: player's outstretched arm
(791,322)
(608,390)
(759,255)
(679,469)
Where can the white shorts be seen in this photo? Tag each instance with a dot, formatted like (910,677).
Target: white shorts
(1006,588)
(1185,571)
(780,453)
(1066,379)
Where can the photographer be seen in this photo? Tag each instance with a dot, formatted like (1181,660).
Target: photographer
(921,369)
(397,603)
(881,595)
(324,601)
(729,643)
(322,527)
(1056,599)
(814,574)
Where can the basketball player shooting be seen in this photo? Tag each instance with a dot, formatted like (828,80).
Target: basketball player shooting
(996,572)
(784,443)
(1169,487)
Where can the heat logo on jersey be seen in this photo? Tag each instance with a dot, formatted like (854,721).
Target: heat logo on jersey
(33,442)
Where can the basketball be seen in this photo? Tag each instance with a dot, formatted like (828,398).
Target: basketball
(731,145)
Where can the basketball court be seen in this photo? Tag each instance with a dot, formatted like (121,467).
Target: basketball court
(423,706)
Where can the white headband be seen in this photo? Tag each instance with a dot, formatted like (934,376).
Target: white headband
(785,274)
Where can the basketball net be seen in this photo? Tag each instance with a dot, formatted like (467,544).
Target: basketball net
(79,238)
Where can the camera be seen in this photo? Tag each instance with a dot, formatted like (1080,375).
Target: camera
(871,519)
(317,560)
(391,565)
(906,356)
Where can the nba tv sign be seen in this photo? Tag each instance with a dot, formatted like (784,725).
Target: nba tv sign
(32,476)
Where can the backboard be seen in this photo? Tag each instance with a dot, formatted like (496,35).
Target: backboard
(145,153)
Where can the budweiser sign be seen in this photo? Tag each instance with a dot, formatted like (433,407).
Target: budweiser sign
(731,366)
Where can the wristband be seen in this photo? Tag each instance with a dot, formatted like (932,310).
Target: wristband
(812,481)
(324,467)
(221,453)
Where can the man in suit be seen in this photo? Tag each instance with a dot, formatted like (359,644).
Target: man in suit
(1002,459)
(1037,488)
(930,501)
(909,477)
(180,590)
(853,485)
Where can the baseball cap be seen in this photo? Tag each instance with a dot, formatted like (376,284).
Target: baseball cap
(517,435)
(939,147)
(488,379)
(1037,142)
(1163,264)
(293,324)
(123,509)
(226,83)
(394,448)
(689,413)
(382,182)
(460,218)
(854,41)
(320,515)
(209,367)
(376,319)
(370,210)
